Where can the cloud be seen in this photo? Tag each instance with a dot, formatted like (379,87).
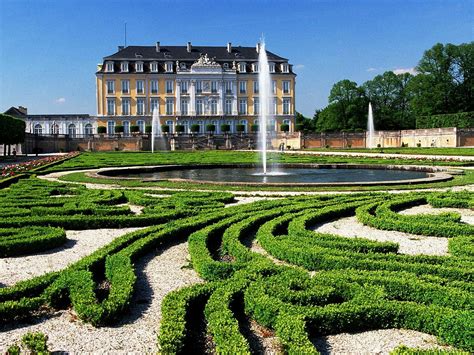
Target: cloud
(371,69)
(399,71)
(60,100)
(298,66)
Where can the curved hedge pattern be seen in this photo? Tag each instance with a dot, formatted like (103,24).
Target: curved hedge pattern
(356,283)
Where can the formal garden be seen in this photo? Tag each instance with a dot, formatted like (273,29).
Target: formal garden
(90,263)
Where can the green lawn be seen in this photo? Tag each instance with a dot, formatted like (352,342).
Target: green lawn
(424,151)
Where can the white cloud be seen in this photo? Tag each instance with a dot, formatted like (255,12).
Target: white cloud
(371,69)
(298,66)
(399,71)
(60,100)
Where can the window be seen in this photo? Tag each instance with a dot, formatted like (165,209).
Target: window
(140,106)
(228,87)
(139,67)
(88,129)
(170,125)
(182,66)
(38,129)
(199,123)
(186,126)
(111,128)
(124,67)
(231,125)
(154,86)
(109,67)
(169,86)
(243,87)
(226,65)
(243,106)
(242,67)
(286,87)
(184,87)
(125,86)
(198,86)
(126,128)
(54,129)
(213,86)
(110,86)
(244,123)
(228,107)
(153,105)
(256,106)
(274,108)
(255,87)
(271,67)
(286,106)
(284,68)
(255,67)
(141,126)
(271,125)
(111,106)
(154,67)
(274,87)
(125,106)
(169,67)
(184,106)
(199,110)
(140,87)
(169,105)
(71,130)
(213,107)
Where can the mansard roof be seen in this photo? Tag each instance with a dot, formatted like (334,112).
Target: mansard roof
(173,53)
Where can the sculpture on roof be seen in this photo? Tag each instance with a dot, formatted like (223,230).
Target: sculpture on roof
(205,61)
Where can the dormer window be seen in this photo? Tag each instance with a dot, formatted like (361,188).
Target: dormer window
(169,67)
(109,67)
(272,67)
(139,67)
(242,67)
(255,67)
(182,66)
(226,65)
(284,68)
(124,67)
(154,67)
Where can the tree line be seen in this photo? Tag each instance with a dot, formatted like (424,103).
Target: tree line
(443,84)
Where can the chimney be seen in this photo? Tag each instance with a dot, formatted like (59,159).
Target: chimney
(120,48)
(158,46)
(229,47)
(257,47)
(189,47)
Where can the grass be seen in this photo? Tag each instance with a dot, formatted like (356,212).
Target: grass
(425,151)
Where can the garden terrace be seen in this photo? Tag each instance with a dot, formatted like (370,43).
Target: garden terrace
(323,283)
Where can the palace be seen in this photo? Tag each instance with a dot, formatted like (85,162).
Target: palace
(190,85)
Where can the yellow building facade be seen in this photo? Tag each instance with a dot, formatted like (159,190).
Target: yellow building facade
(188,85)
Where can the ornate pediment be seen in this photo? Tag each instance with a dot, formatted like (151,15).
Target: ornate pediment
(206,64)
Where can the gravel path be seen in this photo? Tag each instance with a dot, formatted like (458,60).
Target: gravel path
(137,331)
(375,342)
(412,244)
(467,215)
(80,244)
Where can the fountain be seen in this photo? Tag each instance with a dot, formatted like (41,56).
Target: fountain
(370,127)
(264,83)
(154,128)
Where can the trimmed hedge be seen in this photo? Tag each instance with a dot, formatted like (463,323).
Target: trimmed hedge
(459,120)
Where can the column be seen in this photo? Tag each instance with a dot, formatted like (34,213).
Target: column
(234,98)
(220,102)
(192,108)
(178,97)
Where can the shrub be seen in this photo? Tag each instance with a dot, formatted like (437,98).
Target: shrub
(254,128)
(119,129)
(240,128)
(179,128)
(285,127)
(148,129)
(165,128)
(195,128)
(459,120)
(134,129)
(225,128)
(101,130)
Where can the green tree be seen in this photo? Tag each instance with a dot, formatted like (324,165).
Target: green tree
(304,124)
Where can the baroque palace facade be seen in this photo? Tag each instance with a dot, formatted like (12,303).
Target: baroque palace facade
(190,86)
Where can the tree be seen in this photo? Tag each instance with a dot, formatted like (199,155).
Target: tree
(12,130)
(304,124)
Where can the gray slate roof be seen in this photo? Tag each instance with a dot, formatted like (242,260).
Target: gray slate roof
(181,53)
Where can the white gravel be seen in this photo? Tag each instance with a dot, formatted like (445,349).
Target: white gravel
(467,215)
(375,342)
(80,244)
(412,244)
(137,330)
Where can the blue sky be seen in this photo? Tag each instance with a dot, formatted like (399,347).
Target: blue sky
(49,49)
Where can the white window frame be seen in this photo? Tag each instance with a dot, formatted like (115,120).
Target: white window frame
(198,86)
(154,67)
(154,84)
(169,105)
(274,87)
(286,86)
(184,107)
(255,87)
(228,87)
(242,87)
(139,67)
(256,106)
(110,85)
(154,102)
(72,130)
(213,107)
(142,82)
(125,84)
(141,103)
(285,68)
(199,107)
(255,67)
(214,86)
(111,104)
(242,104)
(271,67)
(109,67)
(141,126)
(88,129)
(286,106)
(38,129)
(124,67)
(125,107)
(110,128)
(169,86)
(228,107)
(184,86)
(242,67)
(169,67)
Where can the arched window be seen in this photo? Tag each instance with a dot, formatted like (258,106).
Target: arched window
(126,128)
(38,129)
(71,130)
(186,126)
(170,125)
(141,126)
(216,124)
(88,129)
(244,123)
(54,129)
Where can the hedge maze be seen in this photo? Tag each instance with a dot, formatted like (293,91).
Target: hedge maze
(324,284)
